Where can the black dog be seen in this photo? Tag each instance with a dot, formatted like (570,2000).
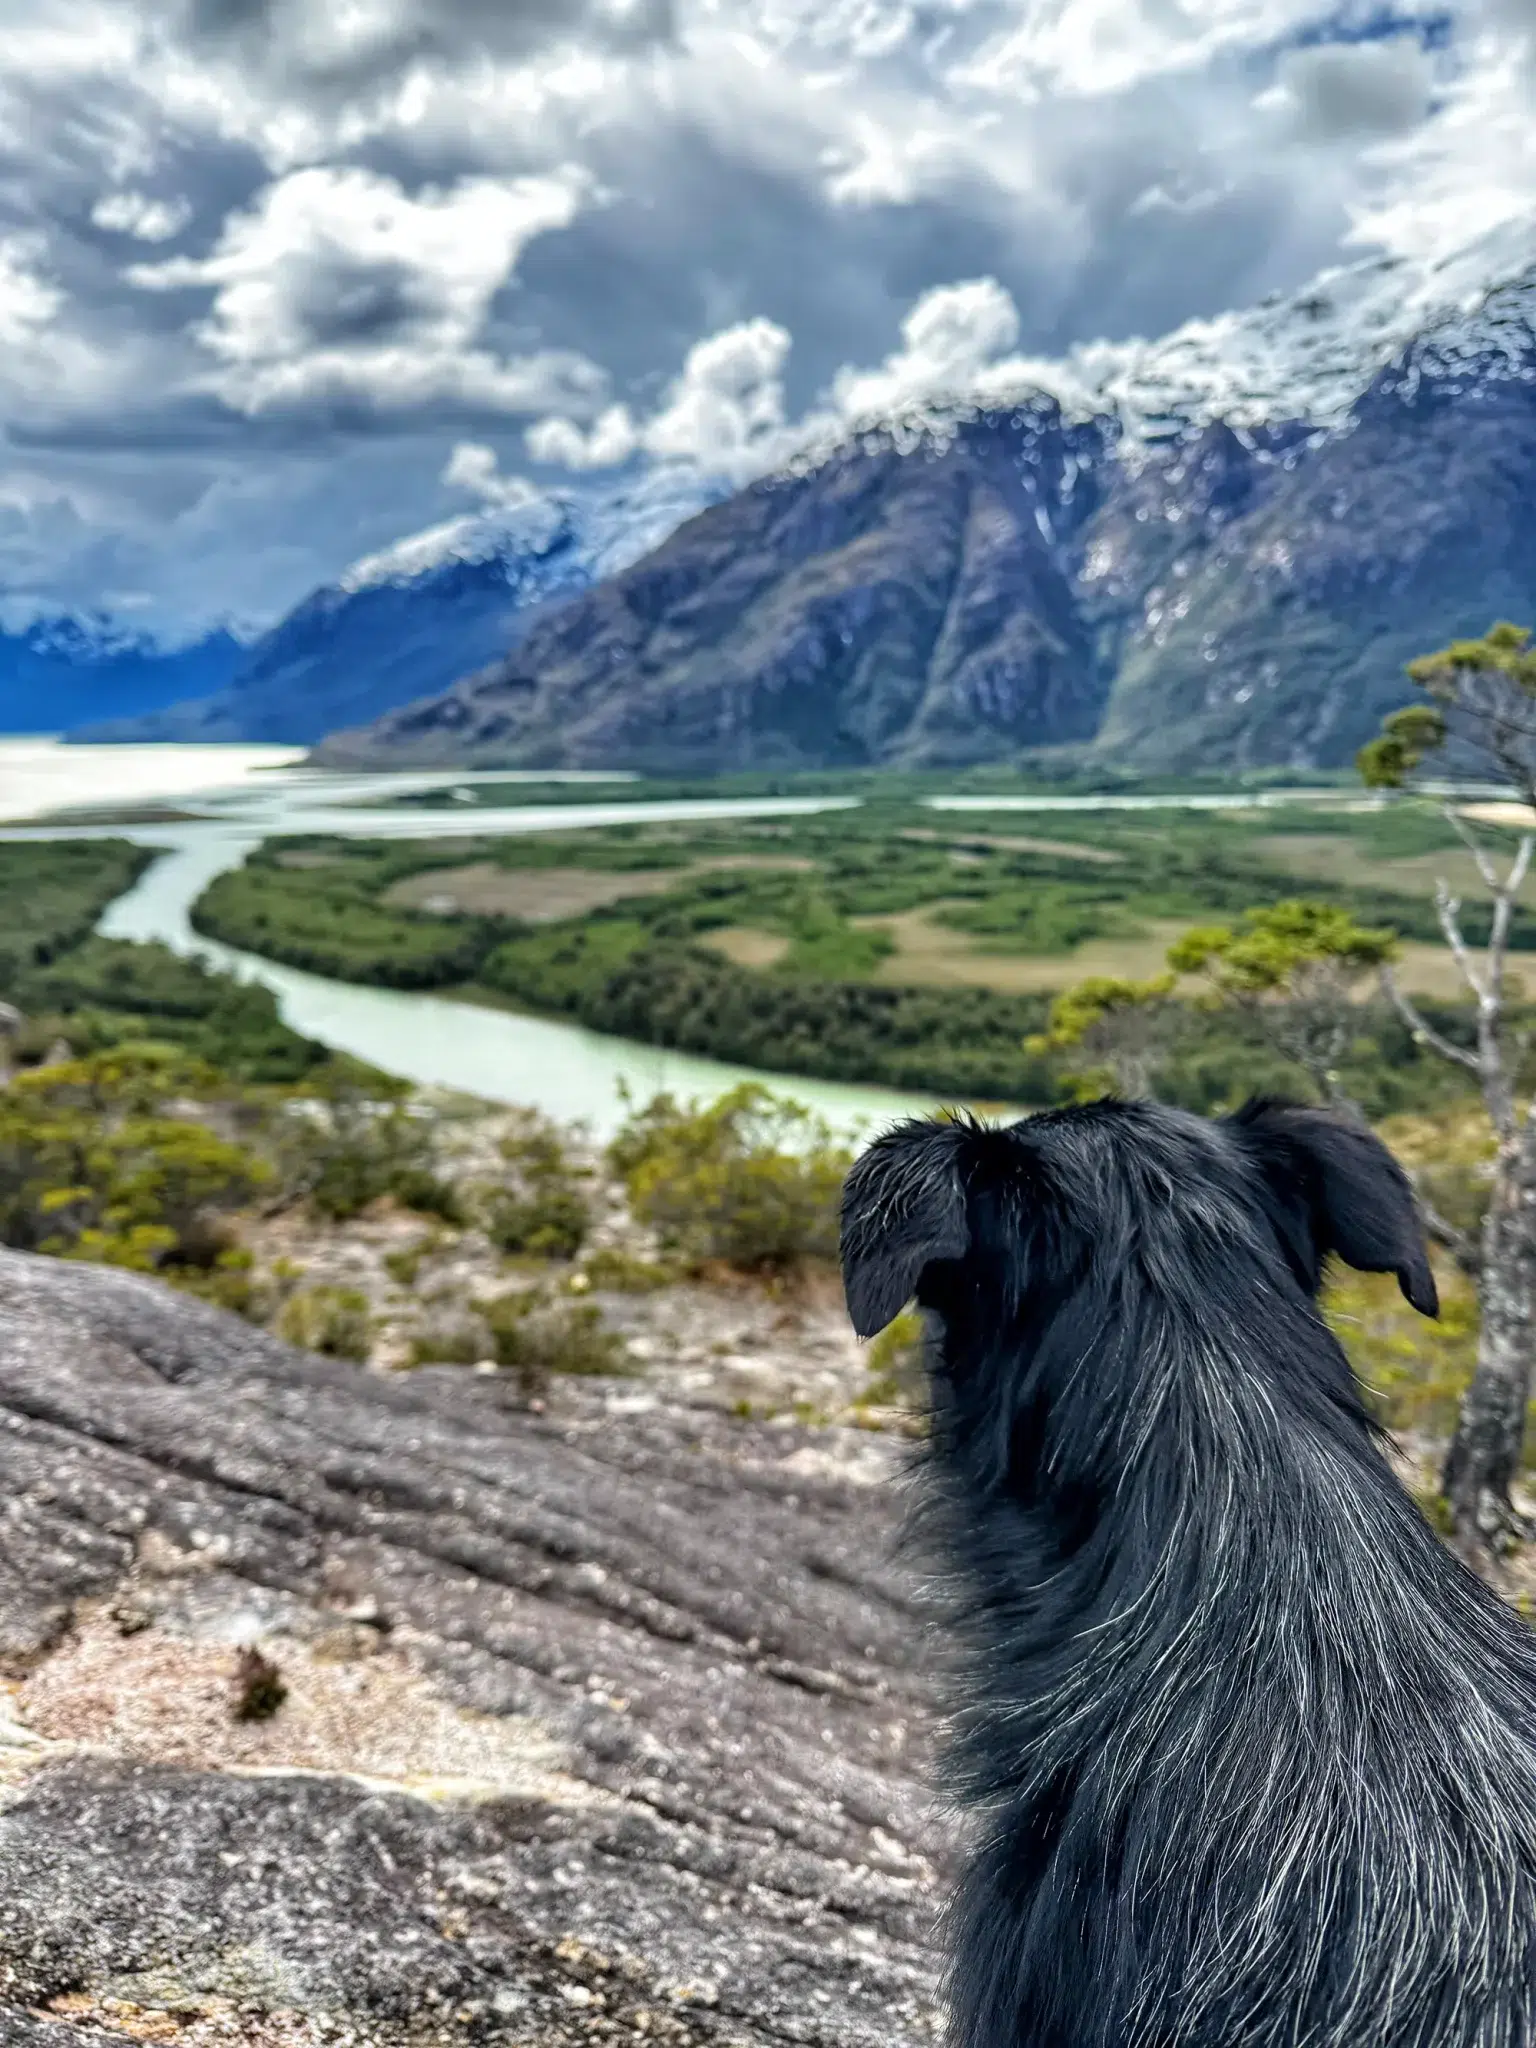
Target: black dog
(1254,1755)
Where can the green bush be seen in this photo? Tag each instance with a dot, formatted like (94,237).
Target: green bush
(347,1150)
(548,1223)
(104,991)
(451,1340)
(619,1272)
(751,1180)
(534,1336)
(545,1214)
(331,1320)
(51,894)
(895,1361)
(92,1167)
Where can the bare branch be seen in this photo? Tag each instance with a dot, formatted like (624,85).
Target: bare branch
(1503,913)
(1421,1027)
(1463,1249)
(1474,846)
(1447,906)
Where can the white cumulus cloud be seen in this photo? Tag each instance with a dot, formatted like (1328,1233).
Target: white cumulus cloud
(136,214)
(725,413)
(337,285)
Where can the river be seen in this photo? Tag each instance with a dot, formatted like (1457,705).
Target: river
(242,795)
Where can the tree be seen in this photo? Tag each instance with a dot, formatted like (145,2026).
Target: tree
(1125,1028)
(1298,969)
(1482,710)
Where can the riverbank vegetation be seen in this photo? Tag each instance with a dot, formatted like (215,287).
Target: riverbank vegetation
(891,944)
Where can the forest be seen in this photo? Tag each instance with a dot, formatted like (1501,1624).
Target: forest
(888,944)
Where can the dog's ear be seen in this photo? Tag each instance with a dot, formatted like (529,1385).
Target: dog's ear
(1360,1203)
(903,1207)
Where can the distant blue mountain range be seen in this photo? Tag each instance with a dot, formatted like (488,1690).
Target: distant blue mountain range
(56,672)
(409,622)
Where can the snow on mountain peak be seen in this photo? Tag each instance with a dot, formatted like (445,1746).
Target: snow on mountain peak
(609,528)
(1304,357)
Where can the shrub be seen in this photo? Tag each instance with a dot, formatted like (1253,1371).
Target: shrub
(1414,1373)
(895,1361)
(545,1215)
(461,1339)
(620,1272)
(535,1337)
(548,1223)
(404,1266)
(91,1167)
(331,1320)
(348,1150)
(259,1687)
(751,1180)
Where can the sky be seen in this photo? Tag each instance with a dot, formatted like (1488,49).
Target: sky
(281,282)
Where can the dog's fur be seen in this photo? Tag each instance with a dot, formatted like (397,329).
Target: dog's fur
(1253,1756)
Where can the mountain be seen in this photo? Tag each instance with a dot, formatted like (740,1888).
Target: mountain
(55,672)
(881,605)
(1219,549)
(411,620)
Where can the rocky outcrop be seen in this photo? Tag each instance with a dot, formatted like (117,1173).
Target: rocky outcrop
(607,1723)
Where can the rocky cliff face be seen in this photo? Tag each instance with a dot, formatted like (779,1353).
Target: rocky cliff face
(606,1724)
(888,605)
(1225,574)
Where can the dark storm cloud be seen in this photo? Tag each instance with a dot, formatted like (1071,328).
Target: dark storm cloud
(761,164)
(280,35)
(700,241)
(1347,92)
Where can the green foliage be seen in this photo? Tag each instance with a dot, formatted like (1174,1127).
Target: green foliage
(636,968)
(331,1320)
(51,894)
(895,1361)
(535,1336)
(346,1150)
(751,1180)
(327,922)
(1126,1027)
(1483,688)
(824,945)
(551,1221)
(545,1213)
(91,1165)
(451,1340)
(1297,967)
(620,1272)
(106,990)
(403,1266)
(1414,1372)
(1045,920)
(1276,948)
(1406,739)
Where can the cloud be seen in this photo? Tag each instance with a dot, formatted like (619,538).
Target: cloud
(473,467)
(1355,92)
(348,47)
(338,287)
(724,414)
(136,214)
(949,341)
(28,302)
(250,241)
(610,440)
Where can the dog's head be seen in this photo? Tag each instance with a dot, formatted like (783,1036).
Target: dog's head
(960,1214)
